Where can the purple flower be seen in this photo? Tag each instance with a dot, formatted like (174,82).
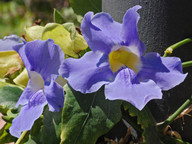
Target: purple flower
(117,61)
(8,42)
(42,60)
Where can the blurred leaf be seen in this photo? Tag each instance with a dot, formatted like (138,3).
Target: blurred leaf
(86,117)
(11,114)
(83,6)
(51,127)
(58,18)
(34,32)
(70,16)
(9,96)
(147,122)
(5,137)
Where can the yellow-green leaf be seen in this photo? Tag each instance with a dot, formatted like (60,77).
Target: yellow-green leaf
(80,43)
(22,79)
(33,33)
(61,37)
(9,59)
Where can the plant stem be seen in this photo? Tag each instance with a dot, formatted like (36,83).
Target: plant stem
(170,49)
(187,64)
(175,114)
(21,137)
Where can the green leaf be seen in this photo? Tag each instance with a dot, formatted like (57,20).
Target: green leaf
(51,130)
(36,131)
(5,137)
(147,122)
(9,96)
(30,141)
(86,117)
(58,18)
(83,6)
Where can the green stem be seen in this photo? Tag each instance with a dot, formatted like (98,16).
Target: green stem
(21,137)
(187,64)
(175,114)
(170,49)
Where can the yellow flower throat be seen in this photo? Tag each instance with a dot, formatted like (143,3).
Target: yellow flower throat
(121,58)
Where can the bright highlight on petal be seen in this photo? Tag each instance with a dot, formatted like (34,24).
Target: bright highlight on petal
(121,58)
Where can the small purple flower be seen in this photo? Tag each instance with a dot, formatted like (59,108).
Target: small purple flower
(42,60)
(8,42)
(117,61)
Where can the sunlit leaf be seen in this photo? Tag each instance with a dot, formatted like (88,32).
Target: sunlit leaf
(22,79)
(33,32)
(60,36)
(9,59)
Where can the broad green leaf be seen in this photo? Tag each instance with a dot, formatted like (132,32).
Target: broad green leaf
(9,96)
(83,6)
(147,122)
(34,32)
(86,117)
(5,137)
(51,127)
(58,18)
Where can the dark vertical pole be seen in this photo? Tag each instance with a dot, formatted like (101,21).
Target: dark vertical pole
(162,23)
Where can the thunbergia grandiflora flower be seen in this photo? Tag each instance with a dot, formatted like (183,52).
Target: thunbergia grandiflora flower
(8,42)
(117,61)
(42,60)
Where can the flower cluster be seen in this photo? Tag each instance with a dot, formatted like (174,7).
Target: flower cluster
(117,61)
